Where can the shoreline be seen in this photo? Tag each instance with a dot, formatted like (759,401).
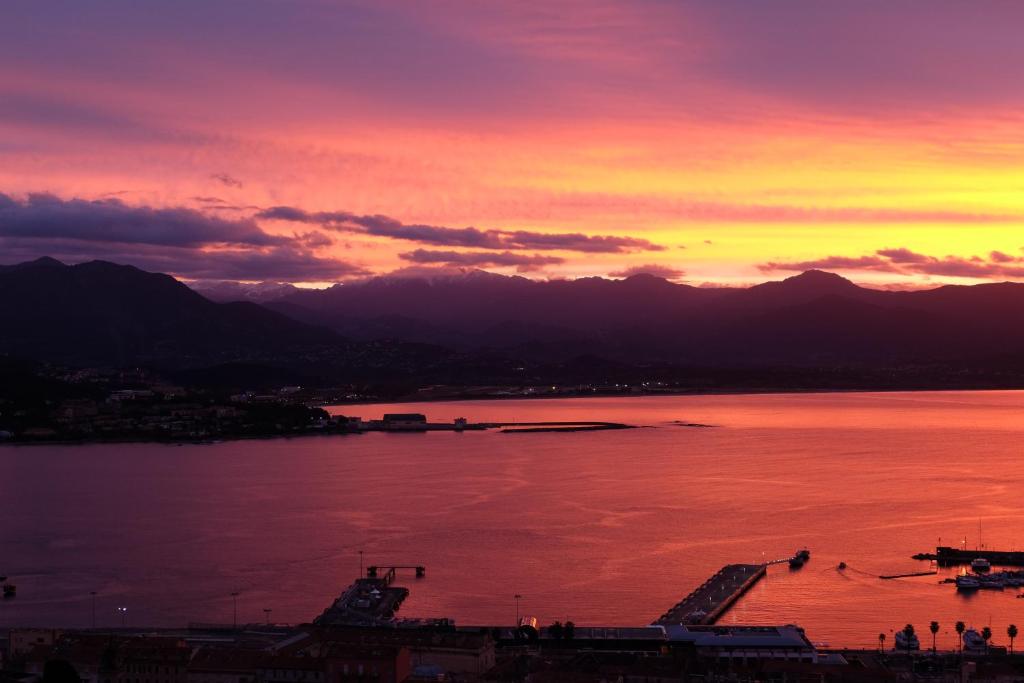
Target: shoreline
(489,398)
(694,392)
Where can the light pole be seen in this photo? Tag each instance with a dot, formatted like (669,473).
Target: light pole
(93,594)
(234,613)
(124,615)
(360,564)
(518,598)
(267,611)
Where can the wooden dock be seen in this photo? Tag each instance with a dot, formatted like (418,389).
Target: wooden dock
(713,598)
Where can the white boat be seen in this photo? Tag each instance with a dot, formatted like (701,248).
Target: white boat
(903,643)
(980,564)
(967,583)
(973,642)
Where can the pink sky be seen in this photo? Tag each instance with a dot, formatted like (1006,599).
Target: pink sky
(724,140)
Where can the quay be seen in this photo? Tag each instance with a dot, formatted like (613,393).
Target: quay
(371,600)
(713,598)
(946,556)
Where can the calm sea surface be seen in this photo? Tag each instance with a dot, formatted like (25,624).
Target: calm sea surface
(601,528)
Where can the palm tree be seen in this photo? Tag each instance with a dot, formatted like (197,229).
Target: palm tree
(570,630)
(934,628)
(986,634)
(555,630)
(881,643)
(960,628)
(1011,631)
(908,633)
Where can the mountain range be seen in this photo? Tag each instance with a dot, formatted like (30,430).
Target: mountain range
(815,319)
(478,328)
(105,314)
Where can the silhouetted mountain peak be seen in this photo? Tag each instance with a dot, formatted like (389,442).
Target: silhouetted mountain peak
(45,261)
(41,262)
(101,312)
(820,280)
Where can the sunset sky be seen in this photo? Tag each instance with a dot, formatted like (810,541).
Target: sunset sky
(720,141)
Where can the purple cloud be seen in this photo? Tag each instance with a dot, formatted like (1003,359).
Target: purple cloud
(666,272)
(43,216)
(903,255)
(226,180)
(280,263)
(180,241)
(833,263)
(384,226)
(523,262)
(908,262)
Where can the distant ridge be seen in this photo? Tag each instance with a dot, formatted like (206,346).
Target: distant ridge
(807,319)
(480,327)
(100,312)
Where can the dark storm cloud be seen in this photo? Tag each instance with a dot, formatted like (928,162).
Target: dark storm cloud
(522,262)
(43,216)
(384,226)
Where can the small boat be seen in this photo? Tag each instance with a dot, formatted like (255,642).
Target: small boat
(796,562)
(804,554)
(967,583)
(991,583)
(10,590)
(980,564)
(906,644)
(842,565)
(973,642)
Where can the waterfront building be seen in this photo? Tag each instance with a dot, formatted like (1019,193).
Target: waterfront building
(465,653)
(744,643)
(399,422)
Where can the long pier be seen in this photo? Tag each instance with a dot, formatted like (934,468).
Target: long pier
(713,598)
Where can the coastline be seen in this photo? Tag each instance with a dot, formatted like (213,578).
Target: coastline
(777,391)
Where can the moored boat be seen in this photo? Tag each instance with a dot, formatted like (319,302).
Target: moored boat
(980,564)
(967,583)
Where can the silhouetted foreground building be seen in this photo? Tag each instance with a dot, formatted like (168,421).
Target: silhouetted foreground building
(420,651)
(116,658)
(443,650)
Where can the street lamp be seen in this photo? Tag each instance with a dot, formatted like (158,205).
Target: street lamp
(518,598)
(360,564)
(234,615)
(267,611)
(124,615)
(93,594)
